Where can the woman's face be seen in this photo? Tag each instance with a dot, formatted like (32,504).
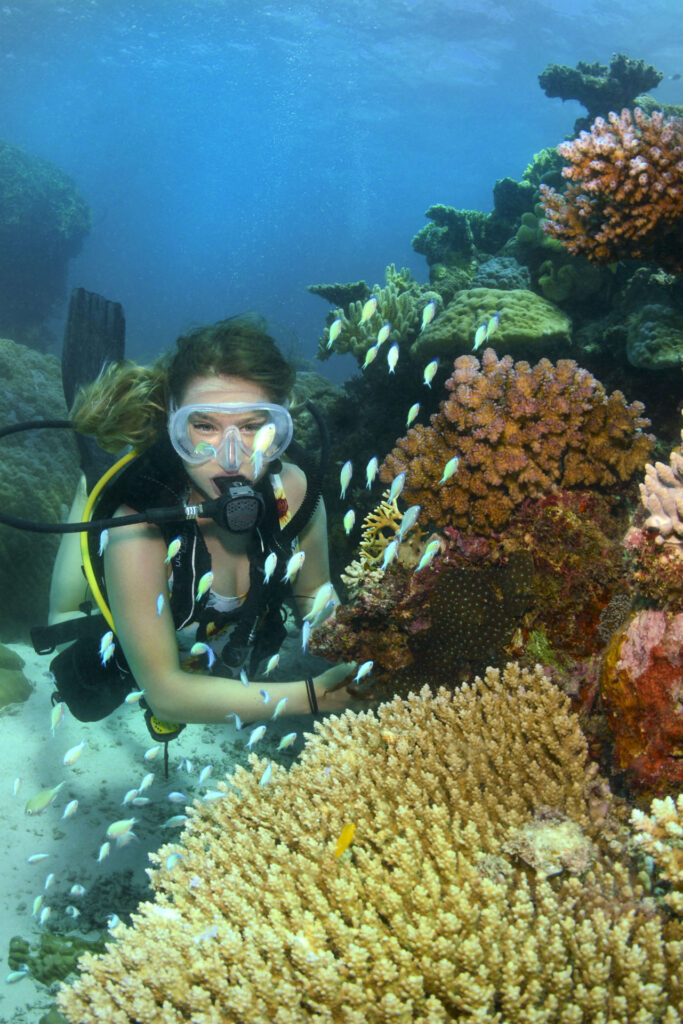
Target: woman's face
(208,428)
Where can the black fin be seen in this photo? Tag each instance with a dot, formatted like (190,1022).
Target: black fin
(95,334)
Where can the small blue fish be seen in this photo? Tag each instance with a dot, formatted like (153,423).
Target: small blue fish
(370,356)
(294,565)
(430,372)
(305,636)
(397,486)
(390,552)
(175,822)
(273,662)
(286,741)
(205,773)
(172,860)
(349,520)
(255,735)
(392,358)
(104,540)
(371,471)
(267,775)
(369,309)
(345,477)
(383,333)
(412,413)
(449,469)
(204,584)
(429,553)
(160,603)
(134,697)
(428,314)
(172,550)
(244,678)
(364,670)
(269,566)
(202,648)
(279,707)
(335,331)
(176,797)
(239,724)
(410,517)
(265,696)
(77,890)
(479,337)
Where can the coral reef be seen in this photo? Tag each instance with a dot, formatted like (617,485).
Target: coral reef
(598,87)
(519,432)
(527,322)
(43,224)
(660,834)
(399,303)
(575,538)
(662,495)
(503,272)
(642,691)
(625,194)
(654,337)
(54,957)
(427,916)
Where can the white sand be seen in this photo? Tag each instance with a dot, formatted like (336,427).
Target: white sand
(111,764)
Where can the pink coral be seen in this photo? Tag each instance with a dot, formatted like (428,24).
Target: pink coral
(520,432)
(625,197)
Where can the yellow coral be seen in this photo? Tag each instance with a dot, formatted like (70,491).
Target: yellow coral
(426,917)
(660,834)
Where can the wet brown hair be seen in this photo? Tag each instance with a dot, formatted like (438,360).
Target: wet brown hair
(129,403)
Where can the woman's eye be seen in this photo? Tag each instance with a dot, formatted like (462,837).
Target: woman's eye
(251,428)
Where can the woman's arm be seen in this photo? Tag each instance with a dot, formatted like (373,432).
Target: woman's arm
(136,575)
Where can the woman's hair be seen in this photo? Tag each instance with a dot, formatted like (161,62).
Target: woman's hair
(129,404)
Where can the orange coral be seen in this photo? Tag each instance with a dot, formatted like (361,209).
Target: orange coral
(625,200)
(520,432)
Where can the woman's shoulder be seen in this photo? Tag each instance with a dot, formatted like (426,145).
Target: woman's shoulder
(294,484)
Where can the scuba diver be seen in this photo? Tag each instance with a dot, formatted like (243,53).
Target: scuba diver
(204,531)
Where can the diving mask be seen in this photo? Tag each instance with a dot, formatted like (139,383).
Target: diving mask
(230,431)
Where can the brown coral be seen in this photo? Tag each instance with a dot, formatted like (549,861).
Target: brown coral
(520,432)
(425,917)
(625,197)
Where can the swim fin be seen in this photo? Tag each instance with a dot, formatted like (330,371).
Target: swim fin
(95,334)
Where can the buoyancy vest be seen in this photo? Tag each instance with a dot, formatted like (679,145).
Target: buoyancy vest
(157,478)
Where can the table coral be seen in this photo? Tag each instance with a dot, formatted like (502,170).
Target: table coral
(642,691)
(625,194)
(519,432)
(426,916)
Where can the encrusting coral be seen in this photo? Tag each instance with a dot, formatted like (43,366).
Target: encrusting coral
(625,197)
(443,907)
(519,432)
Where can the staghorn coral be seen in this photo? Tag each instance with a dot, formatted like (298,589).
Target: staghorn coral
(642,691)
(625,197)
(520,432)
(660,834)
(426,917)
(399,303)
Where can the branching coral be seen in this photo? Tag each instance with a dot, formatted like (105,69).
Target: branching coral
(660,834)
(625,197)
(399,303)
(433,914)
(520,432)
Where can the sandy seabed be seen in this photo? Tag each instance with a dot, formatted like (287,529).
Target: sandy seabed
(112,763)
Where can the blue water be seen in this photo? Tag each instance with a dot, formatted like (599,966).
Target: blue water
(234,151)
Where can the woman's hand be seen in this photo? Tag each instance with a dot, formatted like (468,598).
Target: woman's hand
(330,687)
